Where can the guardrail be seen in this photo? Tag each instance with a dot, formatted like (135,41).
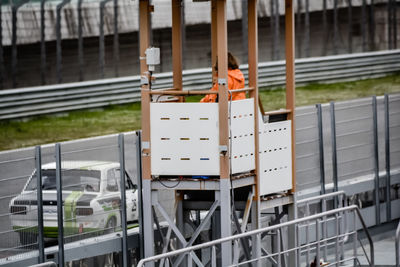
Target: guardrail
(25,102)
(260,255)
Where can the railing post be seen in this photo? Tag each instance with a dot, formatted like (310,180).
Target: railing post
(321,149)
(140,186)
(376,161)
(38,161)
(334,151)
(42,44)
(121,145)
(387,157)
(1,53)
(350,26)
(58,33)
(116,40)
(60,210)
(80,41)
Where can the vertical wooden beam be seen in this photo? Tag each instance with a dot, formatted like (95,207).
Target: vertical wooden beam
(214,38)
(222,53)
(177,43)
(290,79)
(144,26)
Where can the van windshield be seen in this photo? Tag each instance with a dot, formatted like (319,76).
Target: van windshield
(72,180)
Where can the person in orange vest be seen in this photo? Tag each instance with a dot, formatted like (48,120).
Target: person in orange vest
(235,81)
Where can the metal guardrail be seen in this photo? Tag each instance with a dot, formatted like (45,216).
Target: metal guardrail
(261,255)
(25,102)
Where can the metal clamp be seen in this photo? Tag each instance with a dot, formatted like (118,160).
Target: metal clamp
(222,81)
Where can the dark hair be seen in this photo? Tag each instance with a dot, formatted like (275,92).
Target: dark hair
(232,62)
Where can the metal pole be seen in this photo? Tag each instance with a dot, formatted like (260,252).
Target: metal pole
(42,43)
(58,33)
(389,15)
(321,149)
(80,41)
(334,150)
(307,29)
(276,32)
(395,25)
(140,186)
(376,161)
(116,39)
(387,157)
(121,145)
(298,27)
(38,161)
(101,38)
(244,31)
(349,25)
(363,23)
(335,27)
(1,53)
(60,212)
(271,26)
(372,25)
(324,28)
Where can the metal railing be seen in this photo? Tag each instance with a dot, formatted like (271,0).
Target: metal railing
(24,102)
(261,255)
(397,252)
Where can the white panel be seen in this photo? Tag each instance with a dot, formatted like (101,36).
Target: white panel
(275,157)
(184,138)
(242,131)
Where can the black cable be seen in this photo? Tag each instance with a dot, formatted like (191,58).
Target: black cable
(167,186)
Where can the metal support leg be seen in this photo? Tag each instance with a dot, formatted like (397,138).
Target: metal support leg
(38,159)
(60,220)
(387,157)
(376,161)
(226,220)
(121,144)
(148,219)
(292,237)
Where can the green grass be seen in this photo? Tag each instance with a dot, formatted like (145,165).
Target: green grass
(122,118)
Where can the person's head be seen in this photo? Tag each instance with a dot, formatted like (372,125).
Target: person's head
(232,62)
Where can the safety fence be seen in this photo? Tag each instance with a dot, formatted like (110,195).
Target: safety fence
(329,138)
(25,102)
(260,254)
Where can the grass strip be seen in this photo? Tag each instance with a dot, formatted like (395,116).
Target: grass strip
(122,118)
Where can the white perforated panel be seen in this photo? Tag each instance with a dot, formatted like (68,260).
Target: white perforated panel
(184,139)
(242,134)
(275,157)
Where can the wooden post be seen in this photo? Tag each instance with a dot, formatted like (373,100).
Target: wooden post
(222,52)
(177,44)
(144,21)
(290,79)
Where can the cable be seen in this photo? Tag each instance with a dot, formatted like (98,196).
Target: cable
(167,186)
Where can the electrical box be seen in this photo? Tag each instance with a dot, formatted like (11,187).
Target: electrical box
(152,57)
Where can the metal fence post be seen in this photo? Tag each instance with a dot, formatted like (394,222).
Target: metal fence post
(395,26)
(38,161)
(307,29)
(389,22)
(372,25)
(101,37)
(60,211)
(121,145)
(321,149)
(1,52)
(376,161)
(14,56)
(140,193)
(80,41)
(42,44)
(335,27)
(116,39)
(387,158)
(58,33)
(334,148)
(363,23)
(276,32)
(350,26)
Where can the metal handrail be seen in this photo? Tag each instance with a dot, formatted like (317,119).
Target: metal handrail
(352,208)
(397,245)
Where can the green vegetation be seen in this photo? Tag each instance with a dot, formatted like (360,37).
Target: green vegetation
(122,118)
